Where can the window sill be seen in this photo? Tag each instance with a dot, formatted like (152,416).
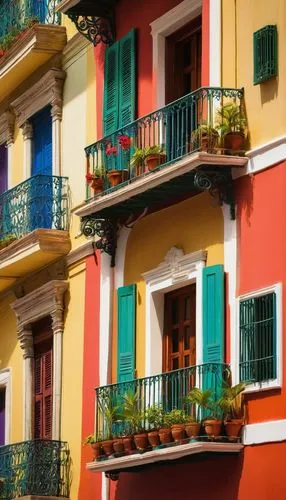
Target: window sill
(263,386)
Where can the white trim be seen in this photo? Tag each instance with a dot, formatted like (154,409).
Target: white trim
(162,27)
(274,383)
(215,43)
(176,271)
(5,382)
(264,156)
(170,453)
(120,256)
(264,432)
(105,320)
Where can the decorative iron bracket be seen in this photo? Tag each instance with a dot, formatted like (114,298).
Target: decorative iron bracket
(114,476)
(96,29)
(106,230)
(218,182)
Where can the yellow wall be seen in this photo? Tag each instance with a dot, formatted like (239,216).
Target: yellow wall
(194,224)
(264,102)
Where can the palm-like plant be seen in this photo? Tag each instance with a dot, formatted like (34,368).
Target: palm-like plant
(200,399)
(230,118)
(132,413)
(231,401)
(110,413)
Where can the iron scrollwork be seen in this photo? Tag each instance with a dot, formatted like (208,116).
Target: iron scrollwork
(219,184)
(106,230)
(95,29)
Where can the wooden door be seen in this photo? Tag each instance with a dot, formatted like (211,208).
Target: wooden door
(180,329)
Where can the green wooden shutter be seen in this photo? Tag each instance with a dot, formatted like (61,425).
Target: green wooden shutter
(111,90)
(126,332)
(127,79)
(265,54)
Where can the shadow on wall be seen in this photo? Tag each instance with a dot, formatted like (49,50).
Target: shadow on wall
(201,478)
(244,197)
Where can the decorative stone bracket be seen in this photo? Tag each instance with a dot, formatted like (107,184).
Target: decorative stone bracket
(106,230)
(218,182)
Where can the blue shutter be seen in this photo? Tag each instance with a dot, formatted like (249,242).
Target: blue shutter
(213,324)
(42,143)
(126,332)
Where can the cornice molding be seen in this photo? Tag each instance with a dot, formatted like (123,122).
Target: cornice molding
(74,49)
(80,253)
(66,5)
(48,90)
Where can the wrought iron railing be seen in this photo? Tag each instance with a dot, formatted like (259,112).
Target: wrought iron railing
(169,390)
(40,468)
(40,202)
(17,15)
(199,121)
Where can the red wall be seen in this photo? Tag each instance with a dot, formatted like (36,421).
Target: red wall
(261,219)
(90,484)
(258,473)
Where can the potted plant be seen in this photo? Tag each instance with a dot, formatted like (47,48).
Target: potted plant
(231,403)
(95,179)
(176,418)
(154,156)
(205,138)
(138,160)
(134,416)
(198,399)
(155,417)
(118,445)
(95,444)
(110,414)
(7,240)
(114,175)
(231,123)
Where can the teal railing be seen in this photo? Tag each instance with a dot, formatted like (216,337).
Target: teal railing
(169,390)
(39,468)
(17,15)
(196,122)
(40,202)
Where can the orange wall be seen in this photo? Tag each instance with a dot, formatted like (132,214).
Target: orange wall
(261,251)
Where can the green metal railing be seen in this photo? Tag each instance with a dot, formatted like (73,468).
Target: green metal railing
(196,122)
(39,468)
(167,389)
(40,202)
(17,15)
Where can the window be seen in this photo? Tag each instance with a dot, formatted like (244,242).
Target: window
(258,328)
(265,54)
(2,415)
(3,168)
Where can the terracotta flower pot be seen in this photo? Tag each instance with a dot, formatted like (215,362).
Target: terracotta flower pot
(118,445)
(152,161)
(141,441)
(153,438)
(165,435)
(115,177)
(209,143)
(233,428)
(193,429)
(97,185)
(128,444)
(107,447)
(234,142)
(97,450)
(178,432)
(213,427)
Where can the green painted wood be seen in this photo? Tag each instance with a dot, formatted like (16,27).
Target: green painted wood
(265,54)
(111,89)
(127,79)
(126,296)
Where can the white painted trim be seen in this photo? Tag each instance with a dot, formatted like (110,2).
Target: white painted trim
(176,271)
(264,432)
(215,44)
(6,382)
(120,256)
(271,384)
(162,27)
(170,453)
(105,320)
(56,146)
(264,156)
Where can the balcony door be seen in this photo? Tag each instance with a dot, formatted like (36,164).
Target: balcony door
(179,340)
(2,416)
(3,168)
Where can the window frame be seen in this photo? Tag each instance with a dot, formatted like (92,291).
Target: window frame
(271,383)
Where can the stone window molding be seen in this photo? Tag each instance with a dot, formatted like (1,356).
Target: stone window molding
(48,300)
(7,123)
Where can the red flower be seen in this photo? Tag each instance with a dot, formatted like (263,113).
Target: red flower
(89,177)
(111,150)
(124,141)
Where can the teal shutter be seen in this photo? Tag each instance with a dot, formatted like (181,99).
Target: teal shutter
(265,54)
(127,79)
(111,90)
(213,325)
(126,332)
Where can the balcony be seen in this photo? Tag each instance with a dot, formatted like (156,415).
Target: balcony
(175,152)
(146,404)
(29,36)
(34,224)
(39,468)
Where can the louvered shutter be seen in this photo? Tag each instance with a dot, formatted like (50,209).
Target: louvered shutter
(38,416)
(111,89)
(42,142)
(126,333)
(47,394)
(127,79)
(213,323)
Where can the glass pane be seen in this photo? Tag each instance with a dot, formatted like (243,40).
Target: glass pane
(175,364)
(187,334)
(175,340)
(187,360)
(187,310)
(175,312)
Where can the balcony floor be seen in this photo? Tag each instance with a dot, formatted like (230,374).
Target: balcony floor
(174,452)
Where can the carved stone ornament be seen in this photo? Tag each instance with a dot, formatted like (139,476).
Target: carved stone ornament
(48,90)
(7,123)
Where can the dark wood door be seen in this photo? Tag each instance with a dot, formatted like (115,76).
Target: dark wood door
(183,60)
(180,329)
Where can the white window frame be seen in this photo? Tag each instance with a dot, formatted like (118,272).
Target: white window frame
(5,383)
(272,383)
